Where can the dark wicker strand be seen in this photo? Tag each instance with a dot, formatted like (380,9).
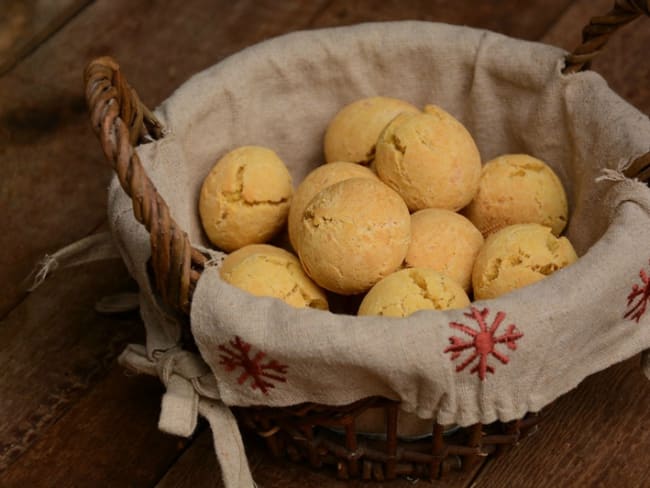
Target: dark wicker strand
(351,445)
(596,34)
(439,450)
(594,37)
(300,439)
(121,121)
(391,439)
(639,168)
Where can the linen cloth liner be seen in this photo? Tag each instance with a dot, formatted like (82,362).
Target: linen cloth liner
(512,97)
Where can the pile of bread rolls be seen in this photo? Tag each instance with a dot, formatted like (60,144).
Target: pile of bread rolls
(403,215)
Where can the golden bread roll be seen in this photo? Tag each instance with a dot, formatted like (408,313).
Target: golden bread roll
(516,256)
(245,198)
(408,290)
(430,159)
(445,242)
(353,234)
(518,189)
(314,182)
(265,270)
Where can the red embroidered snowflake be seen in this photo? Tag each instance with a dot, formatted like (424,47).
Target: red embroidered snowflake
(237,354)
(482,341)
(637,300)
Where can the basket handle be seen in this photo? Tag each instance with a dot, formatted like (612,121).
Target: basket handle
(596,34)
(594,37)
(120,120)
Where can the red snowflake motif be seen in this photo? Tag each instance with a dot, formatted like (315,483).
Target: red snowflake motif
(238,355)
(637,300)
(482,341)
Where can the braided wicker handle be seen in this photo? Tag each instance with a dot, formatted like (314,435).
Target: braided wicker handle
(121,121)
(596,34)
(594,37)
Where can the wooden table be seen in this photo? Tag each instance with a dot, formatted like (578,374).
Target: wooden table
(70,414)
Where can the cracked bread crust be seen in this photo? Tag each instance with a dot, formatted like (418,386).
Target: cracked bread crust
(266,270)
(245,198)
(430,159)
(353,132)
(354,233)
(409,290)
(516,256)
(317,180)
(518,189)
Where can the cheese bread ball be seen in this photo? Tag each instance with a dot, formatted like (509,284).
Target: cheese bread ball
(245,198)
(429,159)
(353,234)
(409,290)
(265,270)
(320,178)
(518,189)
(516,256)
(235,258)
(353,132)
(445,242)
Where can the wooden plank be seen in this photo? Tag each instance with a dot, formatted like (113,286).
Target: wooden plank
(54,178)
(198,468)
(109,438)
(527,20)
(54,348)
(24,24)
(593,436)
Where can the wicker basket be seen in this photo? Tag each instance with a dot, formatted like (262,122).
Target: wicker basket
(304,432)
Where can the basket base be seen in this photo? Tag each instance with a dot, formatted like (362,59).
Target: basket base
(322,436)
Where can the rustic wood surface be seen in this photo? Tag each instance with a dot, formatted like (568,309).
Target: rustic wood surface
(24,24)
(71,416)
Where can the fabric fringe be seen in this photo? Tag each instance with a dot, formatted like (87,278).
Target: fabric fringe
(618,174)
(44,267)
(609,174)
(96,247)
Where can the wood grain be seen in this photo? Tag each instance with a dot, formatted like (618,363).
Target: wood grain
(24,24)
(527,20)
(54,178)
(594,436)
(109,438)
(54,348)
